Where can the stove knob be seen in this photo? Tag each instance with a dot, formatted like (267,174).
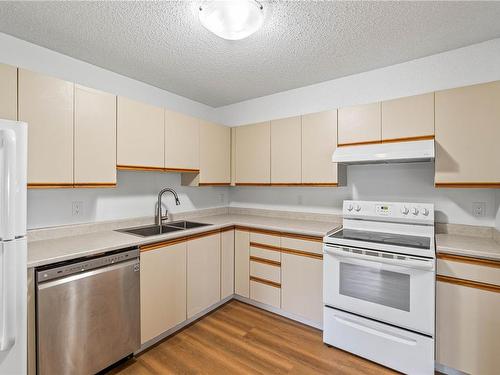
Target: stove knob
(425,211)
(349,207)
(358,208)
(404,210)
(414,211)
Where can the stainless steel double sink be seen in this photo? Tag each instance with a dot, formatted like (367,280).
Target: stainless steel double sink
(154,230)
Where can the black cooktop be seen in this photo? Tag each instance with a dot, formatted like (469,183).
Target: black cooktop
(417,242)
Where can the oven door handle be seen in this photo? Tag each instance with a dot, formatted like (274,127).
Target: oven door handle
(427,265)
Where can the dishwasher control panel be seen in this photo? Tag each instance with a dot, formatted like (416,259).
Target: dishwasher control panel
(80,265)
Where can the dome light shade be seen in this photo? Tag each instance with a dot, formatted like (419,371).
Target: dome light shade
(232,20)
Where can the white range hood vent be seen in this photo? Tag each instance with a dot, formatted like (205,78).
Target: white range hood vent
(390,152)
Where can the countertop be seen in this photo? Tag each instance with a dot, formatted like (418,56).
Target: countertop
(44,252)
(470,246)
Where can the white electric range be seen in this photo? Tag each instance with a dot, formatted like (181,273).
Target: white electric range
(379,284)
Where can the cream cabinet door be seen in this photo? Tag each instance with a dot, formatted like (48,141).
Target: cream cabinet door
(242,263)
(8,92)
(467,135)
(95,136)
(215,154)
(408,117)
(286,137)
(182,141)
(140,134)
(467,328)
(359,124)
(203,273)
(253,154)
(46,104)
(302,287)
(227,264)
(319,141)
(163,289)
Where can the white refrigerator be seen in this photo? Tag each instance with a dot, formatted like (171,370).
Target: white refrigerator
(13,248)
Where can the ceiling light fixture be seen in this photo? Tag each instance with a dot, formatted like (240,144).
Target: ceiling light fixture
(232,20)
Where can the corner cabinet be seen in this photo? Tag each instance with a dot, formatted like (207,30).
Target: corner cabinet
(319,141)
(242,263)
(8,92)
(182,142)
(253,154)
(215,154)
(95,138)
(140,135)
(286,151)
(46,104)
(467,135)
(359,124)
(163,288)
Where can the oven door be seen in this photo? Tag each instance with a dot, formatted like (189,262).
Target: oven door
(381,286)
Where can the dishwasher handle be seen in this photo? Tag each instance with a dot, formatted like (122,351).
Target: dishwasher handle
(90,273)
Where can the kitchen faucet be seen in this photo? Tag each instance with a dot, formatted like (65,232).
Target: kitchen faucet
(159,216)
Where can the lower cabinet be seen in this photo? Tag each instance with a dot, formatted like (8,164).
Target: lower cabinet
(203,273)
(269,294)
(241,263)
(227,263)
(163,289)
(302,286)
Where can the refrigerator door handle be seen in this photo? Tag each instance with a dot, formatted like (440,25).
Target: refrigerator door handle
(8,323)
(8,187)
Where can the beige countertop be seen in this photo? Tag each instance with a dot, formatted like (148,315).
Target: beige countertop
(47,251)
(470,246)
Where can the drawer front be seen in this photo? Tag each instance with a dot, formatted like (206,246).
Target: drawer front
(265,271)
(302,245)
(265,239)
(265,254)
(461,269)
(270,295)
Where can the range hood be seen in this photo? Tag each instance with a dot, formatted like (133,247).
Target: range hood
(387,152)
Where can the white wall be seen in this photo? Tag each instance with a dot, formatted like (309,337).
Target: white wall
(20,53)
(135,196)
(465,66)
(387,182)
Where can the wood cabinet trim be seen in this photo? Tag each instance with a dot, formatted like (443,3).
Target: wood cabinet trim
(320,184)
(214,184)
(43,185)
(265,231)
(265,261)
(227,229)
(266,282)
(479,185)
(159,245)
(469,283)
(181,170)
(138,168)
(304,237)
(253,184)
(203,234)
(407,139)
(469,260)
(302,253)
(265,247)
(96,185)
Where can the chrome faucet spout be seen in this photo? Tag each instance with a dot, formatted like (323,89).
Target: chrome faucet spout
(159,217)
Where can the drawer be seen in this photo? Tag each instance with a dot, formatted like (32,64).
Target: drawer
(483,271)
(315,247)
(258,252)
(265,239)
(264,293)
(265,271)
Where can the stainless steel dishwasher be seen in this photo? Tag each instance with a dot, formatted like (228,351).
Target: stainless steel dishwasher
(88,313)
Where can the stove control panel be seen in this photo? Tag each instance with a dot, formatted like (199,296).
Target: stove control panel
(392,211)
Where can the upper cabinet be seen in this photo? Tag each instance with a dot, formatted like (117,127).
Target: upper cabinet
(182,142)
(467,134)
(359,124)
(215,154)
(286,150)
(140,135)
(46,104)
(410,117)
(8,92)
(253,154)
(95,137)
(319,140)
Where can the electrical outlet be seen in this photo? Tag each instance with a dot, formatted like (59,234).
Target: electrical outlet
(479,209)
(77,208)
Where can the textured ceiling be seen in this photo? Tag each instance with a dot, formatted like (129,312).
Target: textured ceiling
(301,43)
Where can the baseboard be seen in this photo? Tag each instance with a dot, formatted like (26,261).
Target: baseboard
(281,312)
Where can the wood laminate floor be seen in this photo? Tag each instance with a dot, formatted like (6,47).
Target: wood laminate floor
(241,339)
